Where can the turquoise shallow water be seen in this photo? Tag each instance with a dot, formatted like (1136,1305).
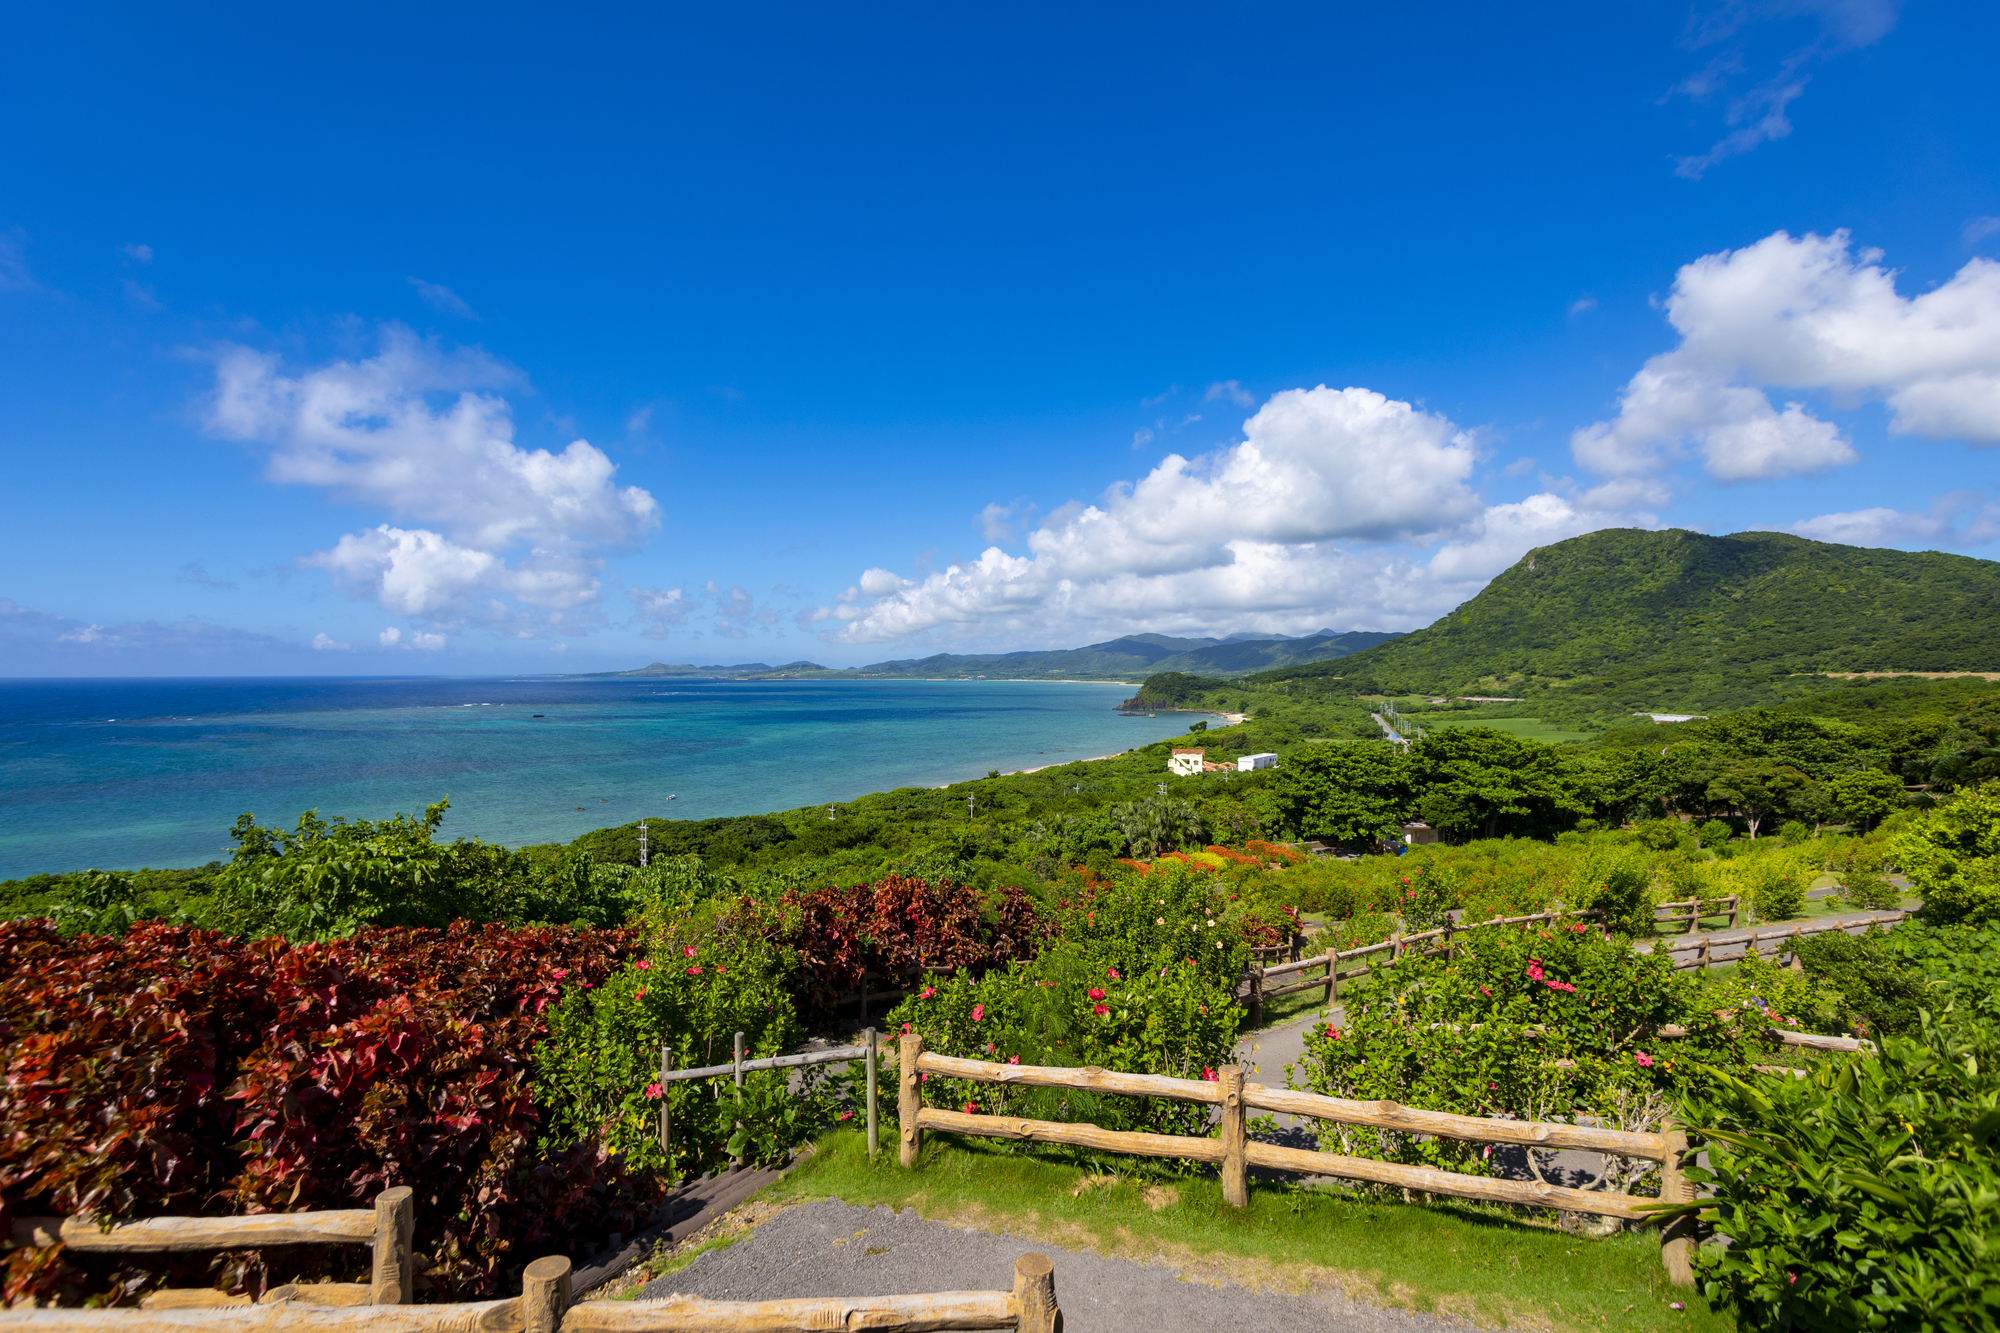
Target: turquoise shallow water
(118,774)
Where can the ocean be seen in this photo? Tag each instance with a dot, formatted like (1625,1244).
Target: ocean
(118,774)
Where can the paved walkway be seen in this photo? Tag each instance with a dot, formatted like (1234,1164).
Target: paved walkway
(828,1248)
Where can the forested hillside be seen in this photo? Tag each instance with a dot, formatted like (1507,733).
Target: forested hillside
(1627,621)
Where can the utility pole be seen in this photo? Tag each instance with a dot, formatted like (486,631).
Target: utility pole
(1162,789)
(642,844)
(971,804)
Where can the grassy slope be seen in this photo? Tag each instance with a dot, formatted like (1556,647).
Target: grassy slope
(1459,1260)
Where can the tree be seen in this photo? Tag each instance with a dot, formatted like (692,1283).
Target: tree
(1475,780)
(1951,854)
(1161,824)
(1760,789)
(1866,797)
(1348,793)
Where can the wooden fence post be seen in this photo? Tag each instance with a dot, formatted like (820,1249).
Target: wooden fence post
(738,1160)
(1035,1293)
(874,1129)
(545,1294)
(1332,975)
(666,1118)
(1701,959)
(1677,1235)
(911,1096)
(1256,994)
(1735,902)
(395,1232)
(1235,1163)
(1395,946)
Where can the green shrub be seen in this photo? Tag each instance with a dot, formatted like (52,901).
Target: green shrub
(1865,1197)
(1540,1024)
(1714,833)
(1883,980)
(1793,832)
(1618,882)
(705,979)
(1951,854)
(1774,882)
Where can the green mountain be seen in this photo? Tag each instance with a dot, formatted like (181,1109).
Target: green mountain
(1137,655)
(1628,619)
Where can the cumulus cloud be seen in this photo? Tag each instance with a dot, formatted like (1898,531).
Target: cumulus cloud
(326,643)
(421,431)
(1959,519)
(199,638)
(1805,313)
(1757,115)
(1309,520)
(138,253)
(658,608)
(1228,391)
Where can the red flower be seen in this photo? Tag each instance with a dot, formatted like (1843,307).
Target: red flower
(1013,1059)
(689,951)
(978,1012)
(643,965)
(694,971)
(926,992)
(1099,1010)
(1096,994)
(654,1091)
(560,973)
(641,995)
(1111,972)
(1209,1075)
(972,1108)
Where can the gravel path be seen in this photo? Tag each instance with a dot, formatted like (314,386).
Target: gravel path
(828,1248)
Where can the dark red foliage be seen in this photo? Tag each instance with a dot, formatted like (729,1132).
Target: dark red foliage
(897,925)
(178,1071)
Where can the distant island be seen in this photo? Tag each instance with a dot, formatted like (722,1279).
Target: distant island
(1114,659)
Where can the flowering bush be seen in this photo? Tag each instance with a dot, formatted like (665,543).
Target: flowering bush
(1141,978)
(177,1071)
(705,978)
(1532,1024)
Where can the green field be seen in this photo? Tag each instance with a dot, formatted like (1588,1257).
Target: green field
(1528,728)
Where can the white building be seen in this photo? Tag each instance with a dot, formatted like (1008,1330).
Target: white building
(1254,761)
(1186,763)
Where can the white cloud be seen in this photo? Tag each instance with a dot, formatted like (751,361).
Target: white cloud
(1309,521)
(417,430)
(31,628)
(142,254)
(1227,391)
(1757,115)
(1978,229)
(1142,437)
(1959,519)
(389,637)
(1804,314)
(996,523)
(429,643)
(658,608)
(327,643)
(1583,305)
(442,299)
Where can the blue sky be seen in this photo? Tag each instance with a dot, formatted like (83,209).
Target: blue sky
(455,339)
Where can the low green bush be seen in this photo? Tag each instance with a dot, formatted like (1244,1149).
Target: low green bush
(1865,1197)
(1883,980)
(1951,854)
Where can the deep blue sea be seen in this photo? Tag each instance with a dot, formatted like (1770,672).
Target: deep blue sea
(118,774)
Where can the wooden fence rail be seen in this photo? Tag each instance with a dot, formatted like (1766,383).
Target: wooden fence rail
(867,1050)
(1703,947)
(1234,1154)
(389,1228)
(1328,963)
(544,1306)
(1692,910)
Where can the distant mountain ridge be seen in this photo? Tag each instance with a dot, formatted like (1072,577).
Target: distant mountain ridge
(1114,659)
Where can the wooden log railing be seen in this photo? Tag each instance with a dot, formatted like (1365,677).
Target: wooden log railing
(388,1228)
(1331,974)
(868,1051)
(1233,1153)
(545,1306)
(1692,910)
(1703,947)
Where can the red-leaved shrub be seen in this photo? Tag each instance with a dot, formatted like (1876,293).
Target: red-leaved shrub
(900,924)
(180,1072)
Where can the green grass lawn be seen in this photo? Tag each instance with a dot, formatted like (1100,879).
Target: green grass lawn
(1527,728)
(1485,1264)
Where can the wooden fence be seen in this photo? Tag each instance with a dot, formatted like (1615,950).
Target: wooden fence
(1702,948)
(1692,910)
(1233,1153)
(545,1306)
(1427,943)
(389,1228)
(738,1067)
